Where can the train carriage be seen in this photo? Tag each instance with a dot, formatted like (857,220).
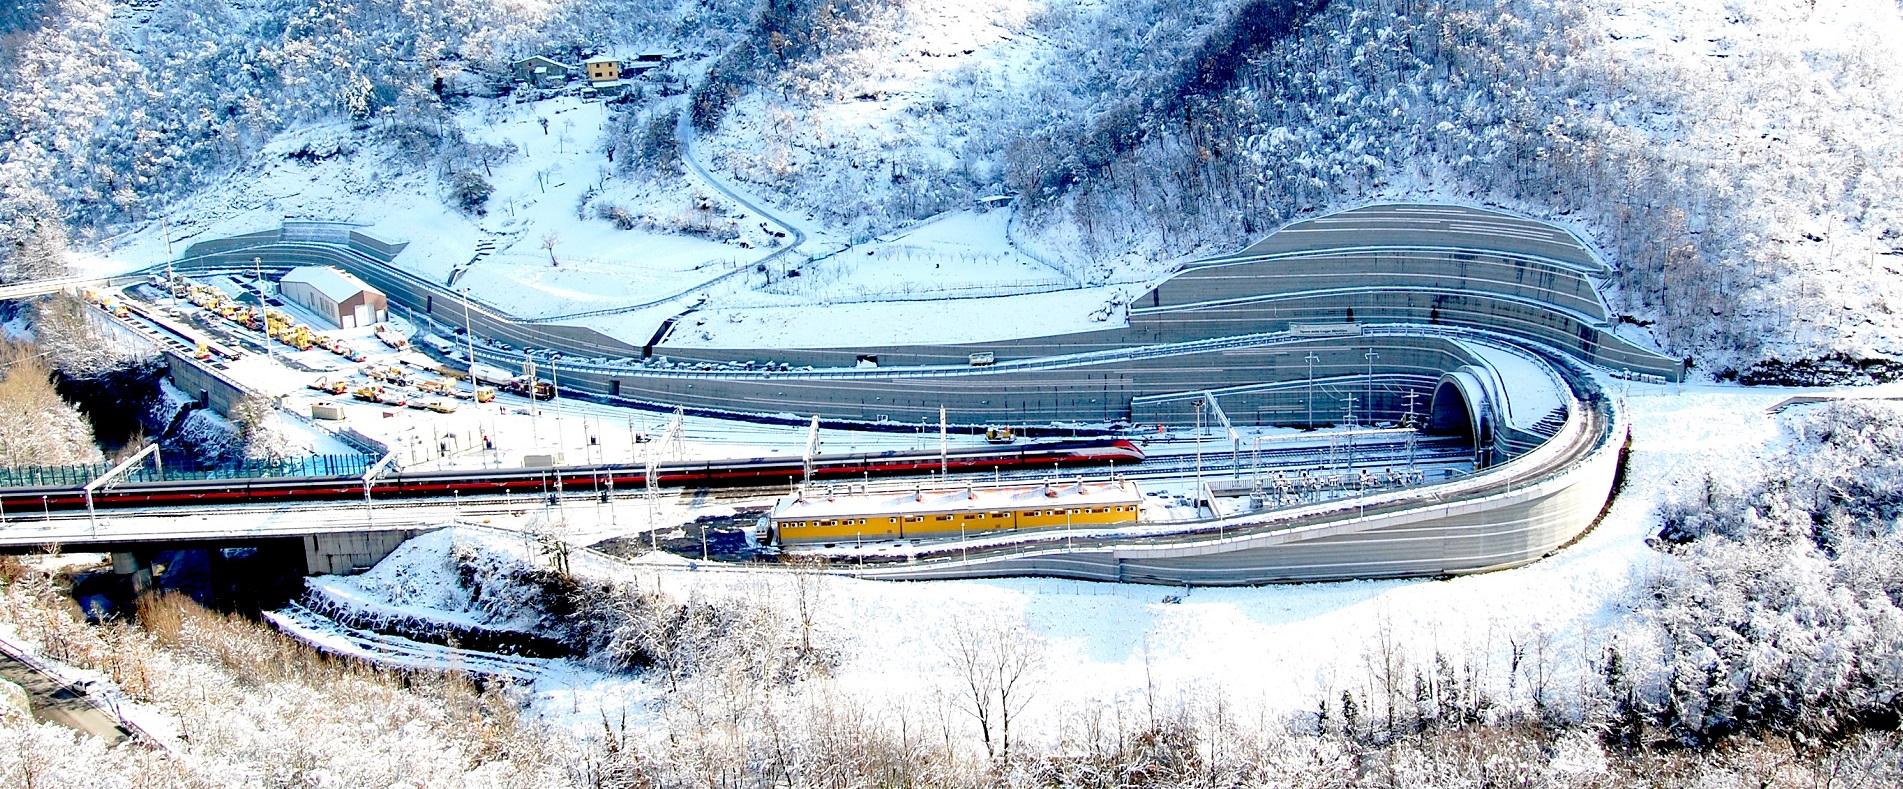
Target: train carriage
(859,514)
(707,473)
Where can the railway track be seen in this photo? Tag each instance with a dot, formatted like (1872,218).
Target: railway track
(1552,461)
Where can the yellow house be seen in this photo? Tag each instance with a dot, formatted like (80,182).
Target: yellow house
(602,69)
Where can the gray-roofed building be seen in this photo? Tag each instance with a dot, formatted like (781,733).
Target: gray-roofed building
(335,296)
(542,72)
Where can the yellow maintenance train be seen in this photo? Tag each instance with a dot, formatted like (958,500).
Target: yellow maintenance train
(833,516)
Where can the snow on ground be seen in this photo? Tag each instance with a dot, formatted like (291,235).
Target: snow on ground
(958,254)
(418,581)
(328,172)
(954,278)
(1531,392)
(1281,647)
(548,261)
(98,689)
(1287,646)
(872,324)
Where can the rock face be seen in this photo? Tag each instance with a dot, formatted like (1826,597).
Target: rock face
(14,705)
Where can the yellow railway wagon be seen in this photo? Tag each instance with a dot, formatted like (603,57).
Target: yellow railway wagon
(849,516)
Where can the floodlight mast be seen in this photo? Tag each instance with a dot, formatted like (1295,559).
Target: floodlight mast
(808,455)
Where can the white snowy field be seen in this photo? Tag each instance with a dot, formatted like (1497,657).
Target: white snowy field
(499,434)
(877,323)
(542,178)
(551,256)
(1279,648)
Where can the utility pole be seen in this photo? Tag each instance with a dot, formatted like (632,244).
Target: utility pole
(469,338)
(1413,432)
(1368,404)
(1348,430)
(1197,494)
(554,400)
(1311,358)
(264,323)
(943,442)
(170,287)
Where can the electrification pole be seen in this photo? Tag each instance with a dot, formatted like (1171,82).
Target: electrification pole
(1368,404)
(1311,359)
(264,324)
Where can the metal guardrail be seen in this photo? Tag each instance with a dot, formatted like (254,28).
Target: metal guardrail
(110,709)
(180,468)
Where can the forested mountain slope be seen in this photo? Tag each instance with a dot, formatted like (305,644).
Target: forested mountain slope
(1736,161)
(111,111)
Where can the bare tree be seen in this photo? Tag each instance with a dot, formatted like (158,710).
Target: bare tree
(996,666)
(967,653)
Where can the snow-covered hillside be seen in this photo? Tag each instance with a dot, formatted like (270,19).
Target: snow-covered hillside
(1737,162)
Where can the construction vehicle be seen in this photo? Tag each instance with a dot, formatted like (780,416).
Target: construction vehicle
(389,375)
(531,387)
(485,395)
(380,395)
(389,336)
(999,435)
(442,406)
(326,384)
(299,337)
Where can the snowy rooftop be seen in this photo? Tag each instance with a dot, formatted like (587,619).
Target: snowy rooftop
(1530,391)
(335,284)
(1070,493)
(601,59)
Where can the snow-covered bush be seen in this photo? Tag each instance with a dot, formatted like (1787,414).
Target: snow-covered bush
(37,428)
(1785,611)
(249,707)
(114,110)
(1722,159)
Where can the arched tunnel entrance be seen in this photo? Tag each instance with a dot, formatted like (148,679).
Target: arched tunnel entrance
(1459,408)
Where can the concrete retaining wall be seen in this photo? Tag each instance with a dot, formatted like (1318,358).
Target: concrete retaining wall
(1513,526)
(215,391)
(342,553)
(1537,286)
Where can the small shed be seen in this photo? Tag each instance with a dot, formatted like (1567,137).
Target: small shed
(613,87)
(542,72)
(335,295)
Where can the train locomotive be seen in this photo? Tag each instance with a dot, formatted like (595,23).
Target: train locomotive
(549,481)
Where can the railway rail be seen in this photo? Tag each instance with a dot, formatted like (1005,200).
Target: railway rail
(757,471)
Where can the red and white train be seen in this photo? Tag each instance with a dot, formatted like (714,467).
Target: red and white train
(716,473)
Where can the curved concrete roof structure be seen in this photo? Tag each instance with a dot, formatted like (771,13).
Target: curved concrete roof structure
(1434,293)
